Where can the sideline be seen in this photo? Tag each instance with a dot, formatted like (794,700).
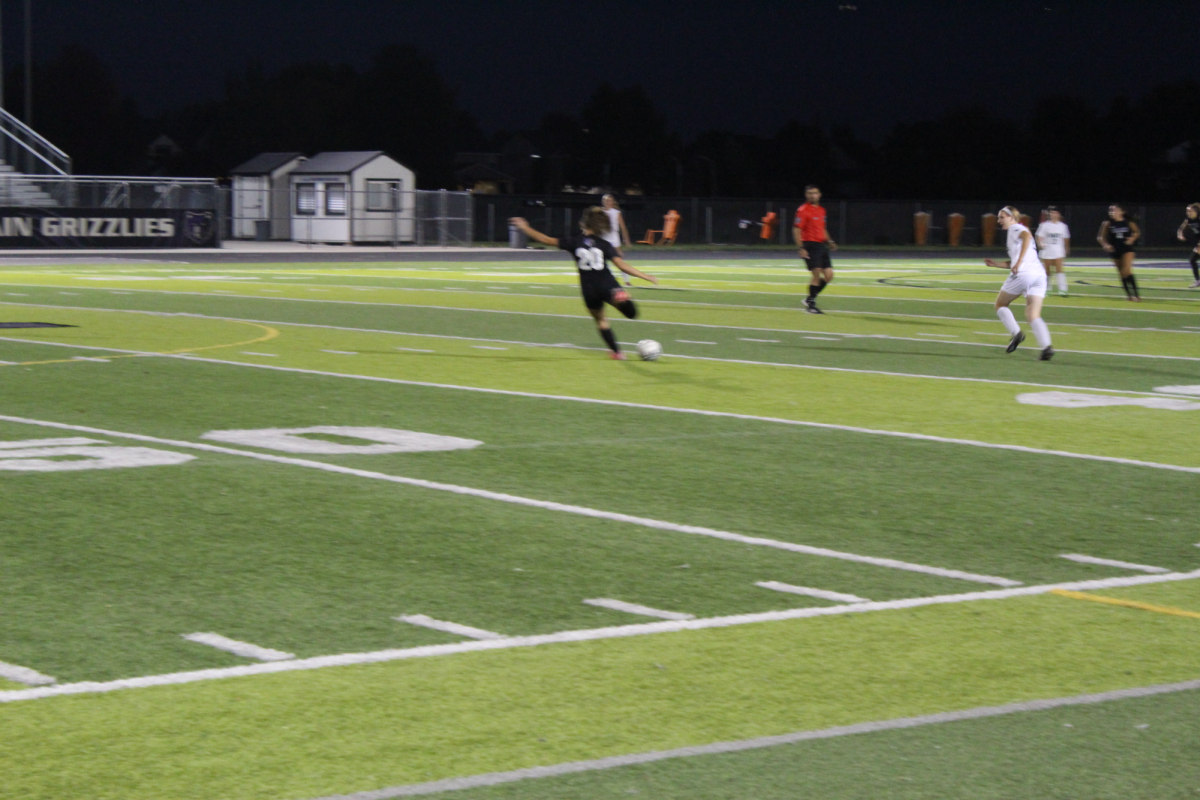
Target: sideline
(571,767)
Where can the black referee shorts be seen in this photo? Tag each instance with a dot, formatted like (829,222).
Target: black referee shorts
(818,255)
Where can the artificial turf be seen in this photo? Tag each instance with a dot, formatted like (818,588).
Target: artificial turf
(104,570)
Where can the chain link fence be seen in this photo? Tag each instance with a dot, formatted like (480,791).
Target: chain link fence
(725,221)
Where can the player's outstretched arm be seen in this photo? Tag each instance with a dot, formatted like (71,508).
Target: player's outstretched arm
(991,262)
(624,266)
(1102,236)
(522,224)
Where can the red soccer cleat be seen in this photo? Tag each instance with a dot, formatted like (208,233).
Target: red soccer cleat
(617,356)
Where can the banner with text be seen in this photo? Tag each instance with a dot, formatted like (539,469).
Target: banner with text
(106,228)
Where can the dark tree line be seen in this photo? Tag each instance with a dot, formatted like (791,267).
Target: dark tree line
(1146,148)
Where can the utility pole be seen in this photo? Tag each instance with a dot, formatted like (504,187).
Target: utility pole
(29,63)
(1,62)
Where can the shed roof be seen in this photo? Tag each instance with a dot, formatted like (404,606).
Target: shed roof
(338,163)
(264,163)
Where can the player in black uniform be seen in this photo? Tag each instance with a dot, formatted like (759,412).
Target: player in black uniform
(595,280)
(1117,236)
(1189,232)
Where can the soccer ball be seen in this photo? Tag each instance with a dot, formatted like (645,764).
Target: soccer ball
(649,349)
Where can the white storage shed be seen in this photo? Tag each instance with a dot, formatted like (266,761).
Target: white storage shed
(261,196)
(353,197)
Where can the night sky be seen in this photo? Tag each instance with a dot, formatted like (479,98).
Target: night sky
(740,66)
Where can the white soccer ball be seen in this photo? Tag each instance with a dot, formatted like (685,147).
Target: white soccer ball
(649,349)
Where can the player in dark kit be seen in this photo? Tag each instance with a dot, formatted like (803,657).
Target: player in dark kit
(1189,232)
(1118,235)
(814,243)
(597,283)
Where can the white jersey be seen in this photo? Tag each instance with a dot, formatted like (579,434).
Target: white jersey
(1053,236)
(1031,261)
(613,236)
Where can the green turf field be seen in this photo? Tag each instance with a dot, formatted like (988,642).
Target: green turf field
(790,522)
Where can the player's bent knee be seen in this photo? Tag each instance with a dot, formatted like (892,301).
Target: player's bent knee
(628,309)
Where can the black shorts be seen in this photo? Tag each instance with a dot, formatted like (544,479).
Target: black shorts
(818,255)
(597,289)
(1120,250)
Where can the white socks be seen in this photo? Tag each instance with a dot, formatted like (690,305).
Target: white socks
(1040,331)
(1062,281)
(1010,322)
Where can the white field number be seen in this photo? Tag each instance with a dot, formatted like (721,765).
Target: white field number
(72,458)
(1078,400)
(382,440)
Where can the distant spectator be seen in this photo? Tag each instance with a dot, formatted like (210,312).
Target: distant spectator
(618,234)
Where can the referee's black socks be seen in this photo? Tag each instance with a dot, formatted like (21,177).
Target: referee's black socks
(1195,262)
(814,289)
(609,339)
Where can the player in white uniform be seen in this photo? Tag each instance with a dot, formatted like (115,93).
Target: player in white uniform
(1026,277)
(617,232)
(1054,244)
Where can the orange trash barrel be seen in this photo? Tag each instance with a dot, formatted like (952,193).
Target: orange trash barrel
(954,229)
(921,226)
(987,230)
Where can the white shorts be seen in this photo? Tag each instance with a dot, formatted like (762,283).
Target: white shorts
(1026,282)
(1051,253)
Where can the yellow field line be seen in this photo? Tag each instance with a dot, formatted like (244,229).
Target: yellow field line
(1113,601)
(271,333)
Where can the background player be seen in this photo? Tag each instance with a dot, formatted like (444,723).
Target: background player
(1118,235)
(617,232)
(812,238)
(1027,277)
(1054,244)
(1189,232)
(592,252)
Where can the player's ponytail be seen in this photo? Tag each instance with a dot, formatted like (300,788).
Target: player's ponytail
(594,220)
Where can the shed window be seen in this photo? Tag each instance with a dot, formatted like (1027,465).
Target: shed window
(381,195)
(335,199)
(306,198)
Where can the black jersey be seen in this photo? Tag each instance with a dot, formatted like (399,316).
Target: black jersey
(592,255)
(1118,232)
(1191,230)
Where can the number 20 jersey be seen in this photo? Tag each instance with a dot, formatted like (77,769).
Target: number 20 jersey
(592,255)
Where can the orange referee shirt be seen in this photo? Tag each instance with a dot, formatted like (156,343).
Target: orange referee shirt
(810,220)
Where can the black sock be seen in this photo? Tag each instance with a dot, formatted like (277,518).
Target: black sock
(607,335)
(1133,290)
(1195,262)
(1125,286)
(821,286)
(814,289)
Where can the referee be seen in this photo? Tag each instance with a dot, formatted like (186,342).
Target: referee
(812,238)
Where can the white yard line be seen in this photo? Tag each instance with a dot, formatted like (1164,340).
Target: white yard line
(748,339)
(252,353)
(1108,562)
(243,649)
(341,352)
(716,748)
(674,409)
(821,368)
(594,634)
(449,627)
(692,341)
(25,675)
(644,522)
(821,594)
(634,608)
